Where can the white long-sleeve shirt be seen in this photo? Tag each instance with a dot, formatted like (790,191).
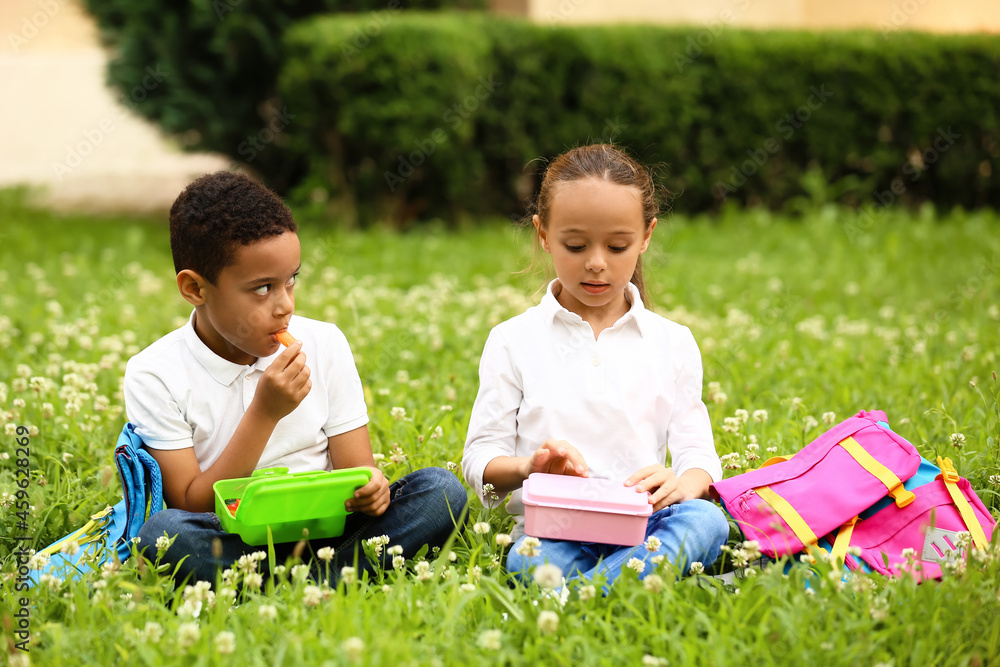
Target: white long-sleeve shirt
(623,399)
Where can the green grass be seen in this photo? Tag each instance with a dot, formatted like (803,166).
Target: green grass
(796,318)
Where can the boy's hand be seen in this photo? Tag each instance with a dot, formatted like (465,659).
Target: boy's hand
(664,486)
(557,457)
(284,384)
(372,498)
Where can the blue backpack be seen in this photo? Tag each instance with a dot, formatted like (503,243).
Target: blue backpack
(109,534)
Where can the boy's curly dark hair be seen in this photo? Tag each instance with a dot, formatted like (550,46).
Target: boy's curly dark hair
(218,212)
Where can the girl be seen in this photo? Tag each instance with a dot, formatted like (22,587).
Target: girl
(589,382)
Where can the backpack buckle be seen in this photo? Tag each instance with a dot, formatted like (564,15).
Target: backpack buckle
(948,472)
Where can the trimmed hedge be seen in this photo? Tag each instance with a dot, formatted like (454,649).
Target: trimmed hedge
(205,70)
(439,114)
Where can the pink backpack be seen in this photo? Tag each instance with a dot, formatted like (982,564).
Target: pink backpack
(861,485)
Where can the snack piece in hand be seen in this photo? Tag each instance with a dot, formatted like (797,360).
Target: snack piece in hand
(285,338)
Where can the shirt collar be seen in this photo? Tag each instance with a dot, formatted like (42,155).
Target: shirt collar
(222,370)
(553,309)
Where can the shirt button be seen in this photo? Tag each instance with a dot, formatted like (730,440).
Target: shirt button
(247,378)
(597,361)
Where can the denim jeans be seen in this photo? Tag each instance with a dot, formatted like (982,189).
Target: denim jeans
(423,509)
(694,530)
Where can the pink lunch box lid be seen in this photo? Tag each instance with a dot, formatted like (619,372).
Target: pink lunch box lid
(584,493)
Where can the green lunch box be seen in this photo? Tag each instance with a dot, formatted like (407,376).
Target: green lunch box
(290,503)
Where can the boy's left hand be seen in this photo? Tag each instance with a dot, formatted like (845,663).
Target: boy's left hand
(664,486)
(372,498)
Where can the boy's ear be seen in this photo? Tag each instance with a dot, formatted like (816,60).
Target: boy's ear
(542,234)
(192,286)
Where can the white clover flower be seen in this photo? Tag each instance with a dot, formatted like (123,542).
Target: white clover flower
(909,553)
(957,440)
(398,562)
(637,565)
(730,461)
(348,574)
(253,580)
(402,377)
(311,595)
(772,450)
(720,398)
(529,547)
(153,632)
(481,528)
(353,648)
(225,642)
(760,416)
(489,640)
(829,418)
(809,422)
(69,547)
(386,588)
(653,661)
(653,583)
(438,432)
(300,571)
(398,413)
(475,573)
(423,571)
(451,466)
(656,560)
(696,567)
(548,622)
(377,543)
(587,592)
(446,408)
(228,594)
(38,561)
(188,634)
(653,543)
(504,539)
(548,575)
(395,550)
(48,411)
(995,480)
(190,609)
(742,415)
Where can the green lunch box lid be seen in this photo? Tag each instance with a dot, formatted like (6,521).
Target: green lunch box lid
(294,505)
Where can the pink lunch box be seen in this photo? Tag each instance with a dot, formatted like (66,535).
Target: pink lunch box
(584,509)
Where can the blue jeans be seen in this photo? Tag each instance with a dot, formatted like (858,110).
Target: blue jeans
(694,530)
(423,509)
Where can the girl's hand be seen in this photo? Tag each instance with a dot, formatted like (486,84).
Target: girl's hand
(372,498)
(664,486)
(557,457)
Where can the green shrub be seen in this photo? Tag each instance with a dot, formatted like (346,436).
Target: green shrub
(205,70)
(718,111)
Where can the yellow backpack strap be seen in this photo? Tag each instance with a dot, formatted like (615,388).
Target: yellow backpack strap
(785,510)
(843,540)
(900,494)
(950,478)
(774,459)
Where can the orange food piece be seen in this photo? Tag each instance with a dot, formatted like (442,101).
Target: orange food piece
(285,338)
(233,506)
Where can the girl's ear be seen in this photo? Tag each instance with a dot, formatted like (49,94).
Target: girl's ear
(647,236)
(542,234)
(191,286)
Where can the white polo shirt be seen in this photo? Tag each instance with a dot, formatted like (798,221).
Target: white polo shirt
(179,394)
(623,399)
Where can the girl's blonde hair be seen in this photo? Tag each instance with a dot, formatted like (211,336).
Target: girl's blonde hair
(604,162)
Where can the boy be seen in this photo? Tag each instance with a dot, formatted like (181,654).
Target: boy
(219,397)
